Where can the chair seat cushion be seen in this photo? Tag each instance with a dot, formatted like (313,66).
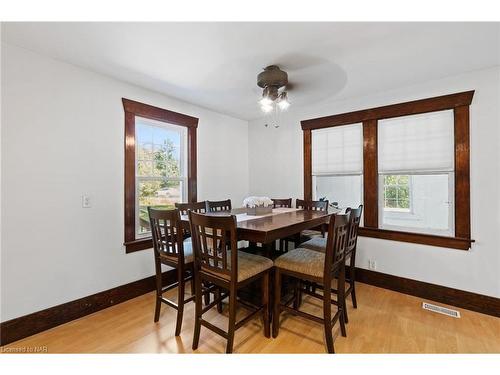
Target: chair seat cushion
(316,244)
(308,234)
(305,261)
(188,253)
(249,265)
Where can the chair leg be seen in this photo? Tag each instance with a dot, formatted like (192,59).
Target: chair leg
(342,300)
(180,304)
(232,320)
(277,301)
(297,301)
(352,281)
(265,304)
(198,308)
(206,297)
(217,295)
(158,291)
(193,287)
(327,319)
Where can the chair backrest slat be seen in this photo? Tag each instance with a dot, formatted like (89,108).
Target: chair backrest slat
(214,206)
(199,207)
(277,203)
(338,229)
(214,238)
(312,205)
(354,220)
(166,232)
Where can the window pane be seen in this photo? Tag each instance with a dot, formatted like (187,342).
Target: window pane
(423,203)
(163,145)
(156,193)
(345,190)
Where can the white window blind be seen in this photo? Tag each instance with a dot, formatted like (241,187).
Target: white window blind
(419,143)
(337,150)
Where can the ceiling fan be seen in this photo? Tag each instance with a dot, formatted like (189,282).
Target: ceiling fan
(273,81)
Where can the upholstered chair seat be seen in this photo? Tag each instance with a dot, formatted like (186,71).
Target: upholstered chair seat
(316,244)
(303,261)
(249,265)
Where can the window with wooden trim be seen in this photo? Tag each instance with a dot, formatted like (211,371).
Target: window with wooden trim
(415,168)
(337,165)
(160,166)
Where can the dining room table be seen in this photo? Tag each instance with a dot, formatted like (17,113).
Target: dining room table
(266,229)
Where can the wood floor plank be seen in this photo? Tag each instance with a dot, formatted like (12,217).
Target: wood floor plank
(385,322)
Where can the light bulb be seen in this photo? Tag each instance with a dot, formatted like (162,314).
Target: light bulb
(266,108)
(265,101)
(283,102)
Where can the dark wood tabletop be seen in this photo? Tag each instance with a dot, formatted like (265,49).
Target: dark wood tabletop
(268,229)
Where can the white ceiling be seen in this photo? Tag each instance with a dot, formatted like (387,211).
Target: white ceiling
(215,65)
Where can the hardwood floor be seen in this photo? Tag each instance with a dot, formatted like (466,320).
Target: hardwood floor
(385,322)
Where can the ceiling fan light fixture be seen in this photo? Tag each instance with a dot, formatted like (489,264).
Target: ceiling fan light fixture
(273,82)
(283,102)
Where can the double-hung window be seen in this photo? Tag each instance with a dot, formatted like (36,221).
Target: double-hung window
(160,166)
(337,165)
(161,174)
(416,173)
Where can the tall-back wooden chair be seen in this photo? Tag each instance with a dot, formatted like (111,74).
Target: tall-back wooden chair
(199,207)
(214,206)
(170,249)
(218,261)
(283,203)
(352,242)
(315,232)
(316,267)
(319,244)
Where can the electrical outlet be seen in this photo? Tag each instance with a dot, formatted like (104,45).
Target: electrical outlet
(372,264)
(86,201)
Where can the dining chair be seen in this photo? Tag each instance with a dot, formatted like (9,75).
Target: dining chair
(170,249)
(280,203)
(314,232)
(199,207)
(319,244)
(214,206)
(316,267)
(218,261)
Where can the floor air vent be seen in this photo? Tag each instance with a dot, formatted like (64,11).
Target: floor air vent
(440,310)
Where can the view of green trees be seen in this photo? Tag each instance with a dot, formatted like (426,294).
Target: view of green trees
(397,191)
(157,163)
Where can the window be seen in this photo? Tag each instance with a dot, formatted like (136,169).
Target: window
(414,181)
(160,166)
(337,165)
(416,169)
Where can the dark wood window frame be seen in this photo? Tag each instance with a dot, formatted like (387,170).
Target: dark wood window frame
(459,103)
(133,109)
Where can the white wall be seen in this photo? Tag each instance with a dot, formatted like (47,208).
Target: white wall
(62,136)
(276,170)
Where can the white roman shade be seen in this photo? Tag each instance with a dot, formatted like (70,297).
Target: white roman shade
(337,150)
(417,143)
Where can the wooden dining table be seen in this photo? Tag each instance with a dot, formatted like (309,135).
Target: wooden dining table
(266,229)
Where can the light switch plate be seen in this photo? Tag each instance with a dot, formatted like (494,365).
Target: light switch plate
(86,201)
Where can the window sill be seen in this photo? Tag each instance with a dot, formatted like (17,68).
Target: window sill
(137,245)
(419,238)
